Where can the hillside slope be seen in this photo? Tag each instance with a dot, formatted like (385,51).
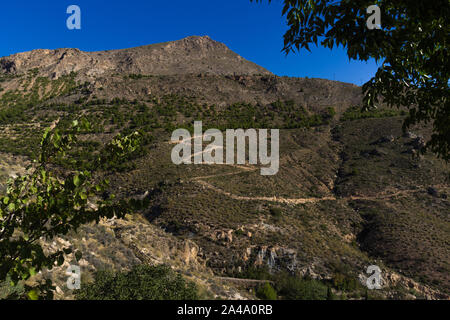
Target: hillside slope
(352,189)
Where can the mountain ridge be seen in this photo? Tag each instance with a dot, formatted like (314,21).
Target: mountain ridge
(193,54)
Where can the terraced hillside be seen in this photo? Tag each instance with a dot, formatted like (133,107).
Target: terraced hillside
(352,189)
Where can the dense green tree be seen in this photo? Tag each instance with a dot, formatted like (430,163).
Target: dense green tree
(411,45)
(143,282)
(49,201)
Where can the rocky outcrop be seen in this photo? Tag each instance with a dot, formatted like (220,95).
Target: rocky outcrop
(274,257)
(222,236)
(119,244)
(391,280)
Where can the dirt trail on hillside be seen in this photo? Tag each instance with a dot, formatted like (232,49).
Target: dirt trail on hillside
(200,180)
(291,201)
(270,199)
(294,201)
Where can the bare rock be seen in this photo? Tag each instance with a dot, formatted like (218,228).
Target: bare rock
(191,55)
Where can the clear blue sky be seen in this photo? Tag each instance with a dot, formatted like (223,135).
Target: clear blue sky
(253,30)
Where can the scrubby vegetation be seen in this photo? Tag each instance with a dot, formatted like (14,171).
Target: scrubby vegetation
(283,285)
(364,155)
(356,112)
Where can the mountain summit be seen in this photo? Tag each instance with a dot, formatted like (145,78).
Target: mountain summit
(194,54)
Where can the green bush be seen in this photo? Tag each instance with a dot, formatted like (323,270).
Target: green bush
(287,286)
(143,282)
(294,288)
(343,282)
(266,292)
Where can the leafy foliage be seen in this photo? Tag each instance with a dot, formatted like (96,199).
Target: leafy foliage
(48,202)
(286,286)
(344,282)
(412,45)
(143,282)
(266,292)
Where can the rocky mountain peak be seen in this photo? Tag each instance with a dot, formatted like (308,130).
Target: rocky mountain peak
(191,55)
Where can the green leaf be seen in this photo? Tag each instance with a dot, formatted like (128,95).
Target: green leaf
(33,295)
(32,271)
(11,207)
(76,180)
